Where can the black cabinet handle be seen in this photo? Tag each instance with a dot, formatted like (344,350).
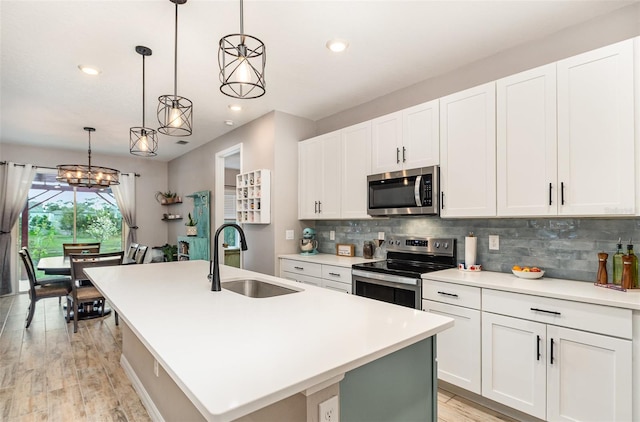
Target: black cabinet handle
(315,207)
(335,274)
(447,294)
(397,155)
(549,193)
(538,347)
(546,312)
(442,199)
(404,151)
(551,361)
(319,207)
(299,268)
(561,193)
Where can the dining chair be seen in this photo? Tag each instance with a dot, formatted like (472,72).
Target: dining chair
(75,248)
(82,291)
(38,290)
(48,280)
(140,254)
(131,253)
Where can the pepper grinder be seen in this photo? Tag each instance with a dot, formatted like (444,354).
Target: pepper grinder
(602,268)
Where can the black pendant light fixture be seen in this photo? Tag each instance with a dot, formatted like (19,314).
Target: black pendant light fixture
(175,113)
(143,141)
(242,59)
(88,176)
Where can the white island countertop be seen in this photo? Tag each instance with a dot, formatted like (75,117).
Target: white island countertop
(578,291)
(231,354)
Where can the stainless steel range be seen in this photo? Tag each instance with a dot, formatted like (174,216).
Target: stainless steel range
(398,279)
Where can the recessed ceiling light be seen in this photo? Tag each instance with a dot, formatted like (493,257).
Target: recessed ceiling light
(235,107)
(228,122)
(89,70)
(337,45)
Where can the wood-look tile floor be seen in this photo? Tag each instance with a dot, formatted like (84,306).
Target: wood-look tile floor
(48,373)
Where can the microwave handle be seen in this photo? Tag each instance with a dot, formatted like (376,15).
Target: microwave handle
(416,191)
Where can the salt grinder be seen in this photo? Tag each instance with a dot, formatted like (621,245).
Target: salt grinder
(602,268)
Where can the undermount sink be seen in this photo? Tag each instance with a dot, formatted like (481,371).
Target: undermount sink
(256,288)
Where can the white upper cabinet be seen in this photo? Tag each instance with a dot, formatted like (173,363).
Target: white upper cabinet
(406,139)
(526,143)
(356,165)
(468,153)
(596,155)
(319,177)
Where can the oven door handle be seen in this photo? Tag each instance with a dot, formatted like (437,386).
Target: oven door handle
(382,278)
(416,191)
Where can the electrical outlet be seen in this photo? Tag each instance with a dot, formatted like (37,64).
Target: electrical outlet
(288,235)
(329,410)
(155,367)
(332,235)
(380,235)
(494,242)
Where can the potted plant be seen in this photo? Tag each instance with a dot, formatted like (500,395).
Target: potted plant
(167,197)
(169,252)
(192,229)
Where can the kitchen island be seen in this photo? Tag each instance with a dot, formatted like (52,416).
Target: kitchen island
(224,356)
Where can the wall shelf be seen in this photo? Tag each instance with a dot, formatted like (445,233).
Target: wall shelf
(253,197)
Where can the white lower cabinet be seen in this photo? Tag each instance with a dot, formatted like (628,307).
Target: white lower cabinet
(458,348)
(554,372)
(322,275)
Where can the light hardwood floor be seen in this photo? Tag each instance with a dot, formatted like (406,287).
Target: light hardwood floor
(48,373)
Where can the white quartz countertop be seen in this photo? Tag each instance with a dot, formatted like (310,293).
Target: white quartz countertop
(579,291)
(328,259)
(232,354)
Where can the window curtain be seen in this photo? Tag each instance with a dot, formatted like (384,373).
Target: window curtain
(125,194)
(15,182)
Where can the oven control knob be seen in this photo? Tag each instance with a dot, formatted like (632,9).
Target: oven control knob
(437,245)
(445,245)
(398,242)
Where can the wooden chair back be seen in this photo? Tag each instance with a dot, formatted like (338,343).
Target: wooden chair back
(131,253)
(140,253)
(79,262)
(80,248)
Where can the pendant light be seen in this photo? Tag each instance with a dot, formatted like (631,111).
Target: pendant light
(143,141)
(241,58)
(88,176)
(175,112)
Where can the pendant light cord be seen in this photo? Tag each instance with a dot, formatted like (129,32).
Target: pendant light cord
(175,55)
(89,173)
(143,73)
(241,18)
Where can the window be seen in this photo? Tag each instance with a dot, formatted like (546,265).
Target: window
(57,213)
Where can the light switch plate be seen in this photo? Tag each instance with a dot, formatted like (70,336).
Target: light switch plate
(288,235)
(494,242)
(380,235)
(332,235)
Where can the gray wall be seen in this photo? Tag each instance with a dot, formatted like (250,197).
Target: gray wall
(563,247)
(153,177)
(617,26)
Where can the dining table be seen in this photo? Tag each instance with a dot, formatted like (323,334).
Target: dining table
(61,265)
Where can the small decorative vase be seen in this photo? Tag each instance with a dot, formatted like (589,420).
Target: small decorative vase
(192,230)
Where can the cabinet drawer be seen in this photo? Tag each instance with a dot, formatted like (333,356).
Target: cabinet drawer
(335,285)
(301,267)
(335,273)
(302,278)
(583,316)
(454,294)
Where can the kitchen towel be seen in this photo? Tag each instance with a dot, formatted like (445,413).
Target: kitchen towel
(470,247)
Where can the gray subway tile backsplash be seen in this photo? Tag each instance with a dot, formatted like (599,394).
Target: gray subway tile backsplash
(563,247)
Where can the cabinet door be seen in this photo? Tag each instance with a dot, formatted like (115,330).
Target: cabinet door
(589,378)
(526,143)
(513,363)
(386,143)
(596,132)
(458,347)
(330,176)
(421,135)
(468,153)
(356,165)
(309,177)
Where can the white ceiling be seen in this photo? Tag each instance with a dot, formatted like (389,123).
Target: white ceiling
(46,100)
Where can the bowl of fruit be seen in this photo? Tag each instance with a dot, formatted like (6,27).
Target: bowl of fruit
(527,272)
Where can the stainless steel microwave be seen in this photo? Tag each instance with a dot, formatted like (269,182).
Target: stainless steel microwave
(406,192)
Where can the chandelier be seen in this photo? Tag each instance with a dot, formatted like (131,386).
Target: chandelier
(143,141)
(175,113)
(88,176)
(242,58)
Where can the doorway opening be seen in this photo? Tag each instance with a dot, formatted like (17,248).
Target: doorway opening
(228,166)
